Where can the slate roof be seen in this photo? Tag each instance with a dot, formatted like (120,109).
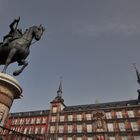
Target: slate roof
(102,105)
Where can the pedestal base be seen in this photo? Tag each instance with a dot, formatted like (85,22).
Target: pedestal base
(9,90)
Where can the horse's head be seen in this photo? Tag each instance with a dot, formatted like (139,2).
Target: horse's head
(38,31)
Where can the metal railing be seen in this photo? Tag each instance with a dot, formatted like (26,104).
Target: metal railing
(12,133)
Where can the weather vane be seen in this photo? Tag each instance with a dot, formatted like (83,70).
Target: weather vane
(16,45)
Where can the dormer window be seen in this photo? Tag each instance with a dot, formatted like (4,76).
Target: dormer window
(54,109)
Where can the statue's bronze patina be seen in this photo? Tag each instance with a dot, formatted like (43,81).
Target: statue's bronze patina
(16,45)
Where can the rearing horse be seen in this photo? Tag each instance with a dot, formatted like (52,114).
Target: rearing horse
(19,49)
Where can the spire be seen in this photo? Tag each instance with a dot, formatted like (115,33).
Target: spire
(59,94)
(137,73)
(59,91)
(138,80)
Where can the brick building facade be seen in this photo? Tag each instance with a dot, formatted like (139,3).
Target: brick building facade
(101,121)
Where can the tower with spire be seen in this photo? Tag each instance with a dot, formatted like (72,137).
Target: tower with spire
(57,105)
(58,102)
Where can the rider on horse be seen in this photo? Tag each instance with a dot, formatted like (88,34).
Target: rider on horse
(14,32)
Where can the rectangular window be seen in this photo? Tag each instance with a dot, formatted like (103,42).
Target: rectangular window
(89,128)
(89,138)
(111,138)
(61,118)
(136,137)
(119,114)
(79,128)
(88,116)
(110,127)
(130,113)
(27,120)
(54,109)
(79,117)
(69,117)
(60,138)
(37,120)
(61,129)
(25,130)
(53,118)
(122,126)
(21,121)
(18,129)
(44,120)
(134,126)
(69,128)
(30,131)
(124,138)
(108,115)
(69,138)
(36,130)
(79,138)
(16,121)
(42,130)
(32,120)
(52,129)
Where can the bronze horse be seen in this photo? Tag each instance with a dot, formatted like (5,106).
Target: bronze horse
(18,49)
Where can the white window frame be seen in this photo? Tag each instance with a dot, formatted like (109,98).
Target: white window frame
(79,128)
(42,130)
(70,128)
(79,117)
(36,130)
(89,138)
(69,138)
(119,114)
(110,127)
(25,130)
(52,129)
(130,113)
(44,120)
(61,128)
(108,115)
(38,120)
(70,117)
(122,126)
(89,127)
(32,120)
(62,118)
(88,116)
(134,126)
(136,137)
(111,138)
(124,137)
(54,109)
(79,138)
(53,119)
(27,120)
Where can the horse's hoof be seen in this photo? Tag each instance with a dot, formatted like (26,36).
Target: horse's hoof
(15,73)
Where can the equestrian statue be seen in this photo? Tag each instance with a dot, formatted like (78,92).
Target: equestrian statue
(16,45)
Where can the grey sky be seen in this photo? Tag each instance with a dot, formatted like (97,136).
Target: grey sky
(90,43)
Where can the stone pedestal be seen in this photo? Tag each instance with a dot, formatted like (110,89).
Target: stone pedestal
(9,90)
